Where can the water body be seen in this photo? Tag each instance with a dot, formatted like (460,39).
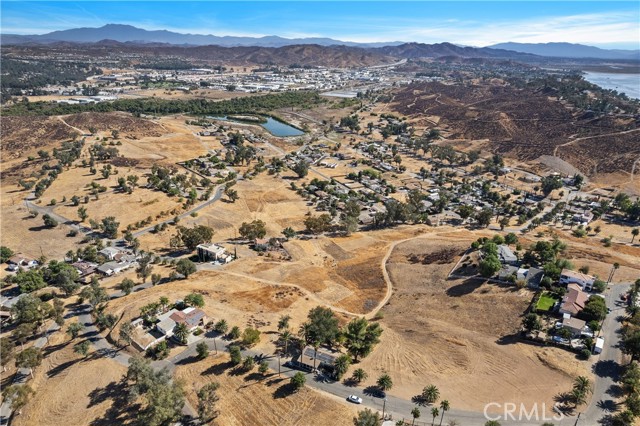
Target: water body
(273,126)
(628,84)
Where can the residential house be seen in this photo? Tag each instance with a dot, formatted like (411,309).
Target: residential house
(506,256)
(20,261)
(192,317)
(534,278)
(110,252)
(311,357)
(210,252)
(574,300)
(574,325)
(585,281)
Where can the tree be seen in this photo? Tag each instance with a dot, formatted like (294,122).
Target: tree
(263,367)
(192,237)
(359,375)
(298,380)
(253,230)
(367,417)
(181,332)
(185,267)
(94,294)
(250,336)
(232,194)
(491,423)
(248,363)
(30,280)
(235,332)
(126,332)
(82,348)
(18,395)
(202,350)
(301,168)
(341,365)
(360,337)
(430,394)
(634,233)
(288,232)
(144,268)
(31,310)
(581,388)
(318,224)
(74,330)
(109,227)
(322,326)
(283,323)
(484,216)
(444,406)
(49,221)
(194,299)
(489,266)
(221,326)
(531,322)
(82,213)
(594,309)
(29,358)
(126,286)
(7,352)
(434,413)
(235,354)
(155,279)
(207,398)
(415,413)
(549,183)
(384,382)
(5,254)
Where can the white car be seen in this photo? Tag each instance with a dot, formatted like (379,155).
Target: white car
(354,399)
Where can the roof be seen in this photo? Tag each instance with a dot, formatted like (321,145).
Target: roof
(110,251)
(574,300)
(575,323)
(505,254)
(321,356)
(576,275)
(534,277)
(190,316)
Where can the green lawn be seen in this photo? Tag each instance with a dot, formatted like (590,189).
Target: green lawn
(546,302)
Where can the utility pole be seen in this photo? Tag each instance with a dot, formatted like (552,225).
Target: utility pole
(215,346)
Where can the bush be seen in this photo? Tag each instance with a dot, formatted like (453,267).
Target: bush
(585,354)
(250,336)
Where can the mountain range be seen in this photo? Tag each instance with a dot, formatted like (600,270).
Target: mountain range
(132,35)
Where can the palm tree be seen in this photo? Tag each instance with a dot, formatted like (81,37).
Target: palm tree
(430,394)
(285,337)
(634,233)
(384,382)
(181,332)
(434,413)
(415,413)
(581,388)
(444,406)
(360,375)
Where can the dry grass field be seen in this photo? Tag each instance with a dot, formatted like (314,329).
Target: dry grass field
(457,334)
(70,390)
(250,399)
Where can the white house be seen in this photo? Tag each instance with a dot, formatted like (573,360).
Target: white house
(585,281)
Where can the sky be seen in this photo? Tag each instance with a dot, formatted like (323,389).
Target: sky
(607,24)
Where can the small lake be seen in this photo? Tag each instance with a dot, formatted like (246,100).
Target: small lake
(273,126)
(629,84)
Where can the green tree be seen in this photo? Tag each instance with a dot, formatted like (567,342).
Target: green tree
(367,417)
(634,233)
(322,326)
(253,230)
(202,350)
(49,221)
(18,395)
(298,380)
(384,382)
(489,266)
(430,394)
(484,216)
(155,279)
(415,413)
(181,332)
(263,367)
(341,365)
(82,213)
(235,354)
(232,194)
(7,352)
(144,268)
(82,348)
(74,330)
(207,399)
(235,332)
(250,336)
(126,333)
(221,326)
(301,168)
(109,227)
(5,254)
(126,286)
(492,423)
(283,323)
(194,299)
(318,224)
(192,237)
(29,358)
(248,363)
(531,322)
(360,337)
(186,267)
(444,407)
(288,232)
(359,375)
(434,413)
(29,280)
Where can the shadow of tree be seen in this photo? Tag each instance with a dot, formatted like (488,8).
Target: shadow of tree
(607,368)
(468,286)
(120,411)
(61,367)
(218,369)
(607,405)
(284,391)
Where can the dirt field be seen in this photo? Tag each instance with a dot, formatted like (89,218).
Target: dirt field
(249,399)
(68,389)
(457,335)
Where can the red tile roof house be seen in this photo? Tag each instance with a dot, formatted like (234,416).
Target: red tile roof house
(573,302)
(192,317)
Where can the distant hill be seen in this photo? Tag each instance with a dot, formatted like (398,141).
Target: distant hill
(128,33)
(569,50)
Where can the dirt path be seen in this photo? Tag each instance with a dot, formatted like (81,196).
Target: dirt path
(555,150)
(82,132)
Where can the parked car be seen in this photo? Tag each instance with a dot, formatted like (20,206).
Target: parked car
(355,399)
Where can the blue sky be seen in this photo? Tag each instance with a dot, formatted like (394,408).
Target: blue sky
(477,23)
